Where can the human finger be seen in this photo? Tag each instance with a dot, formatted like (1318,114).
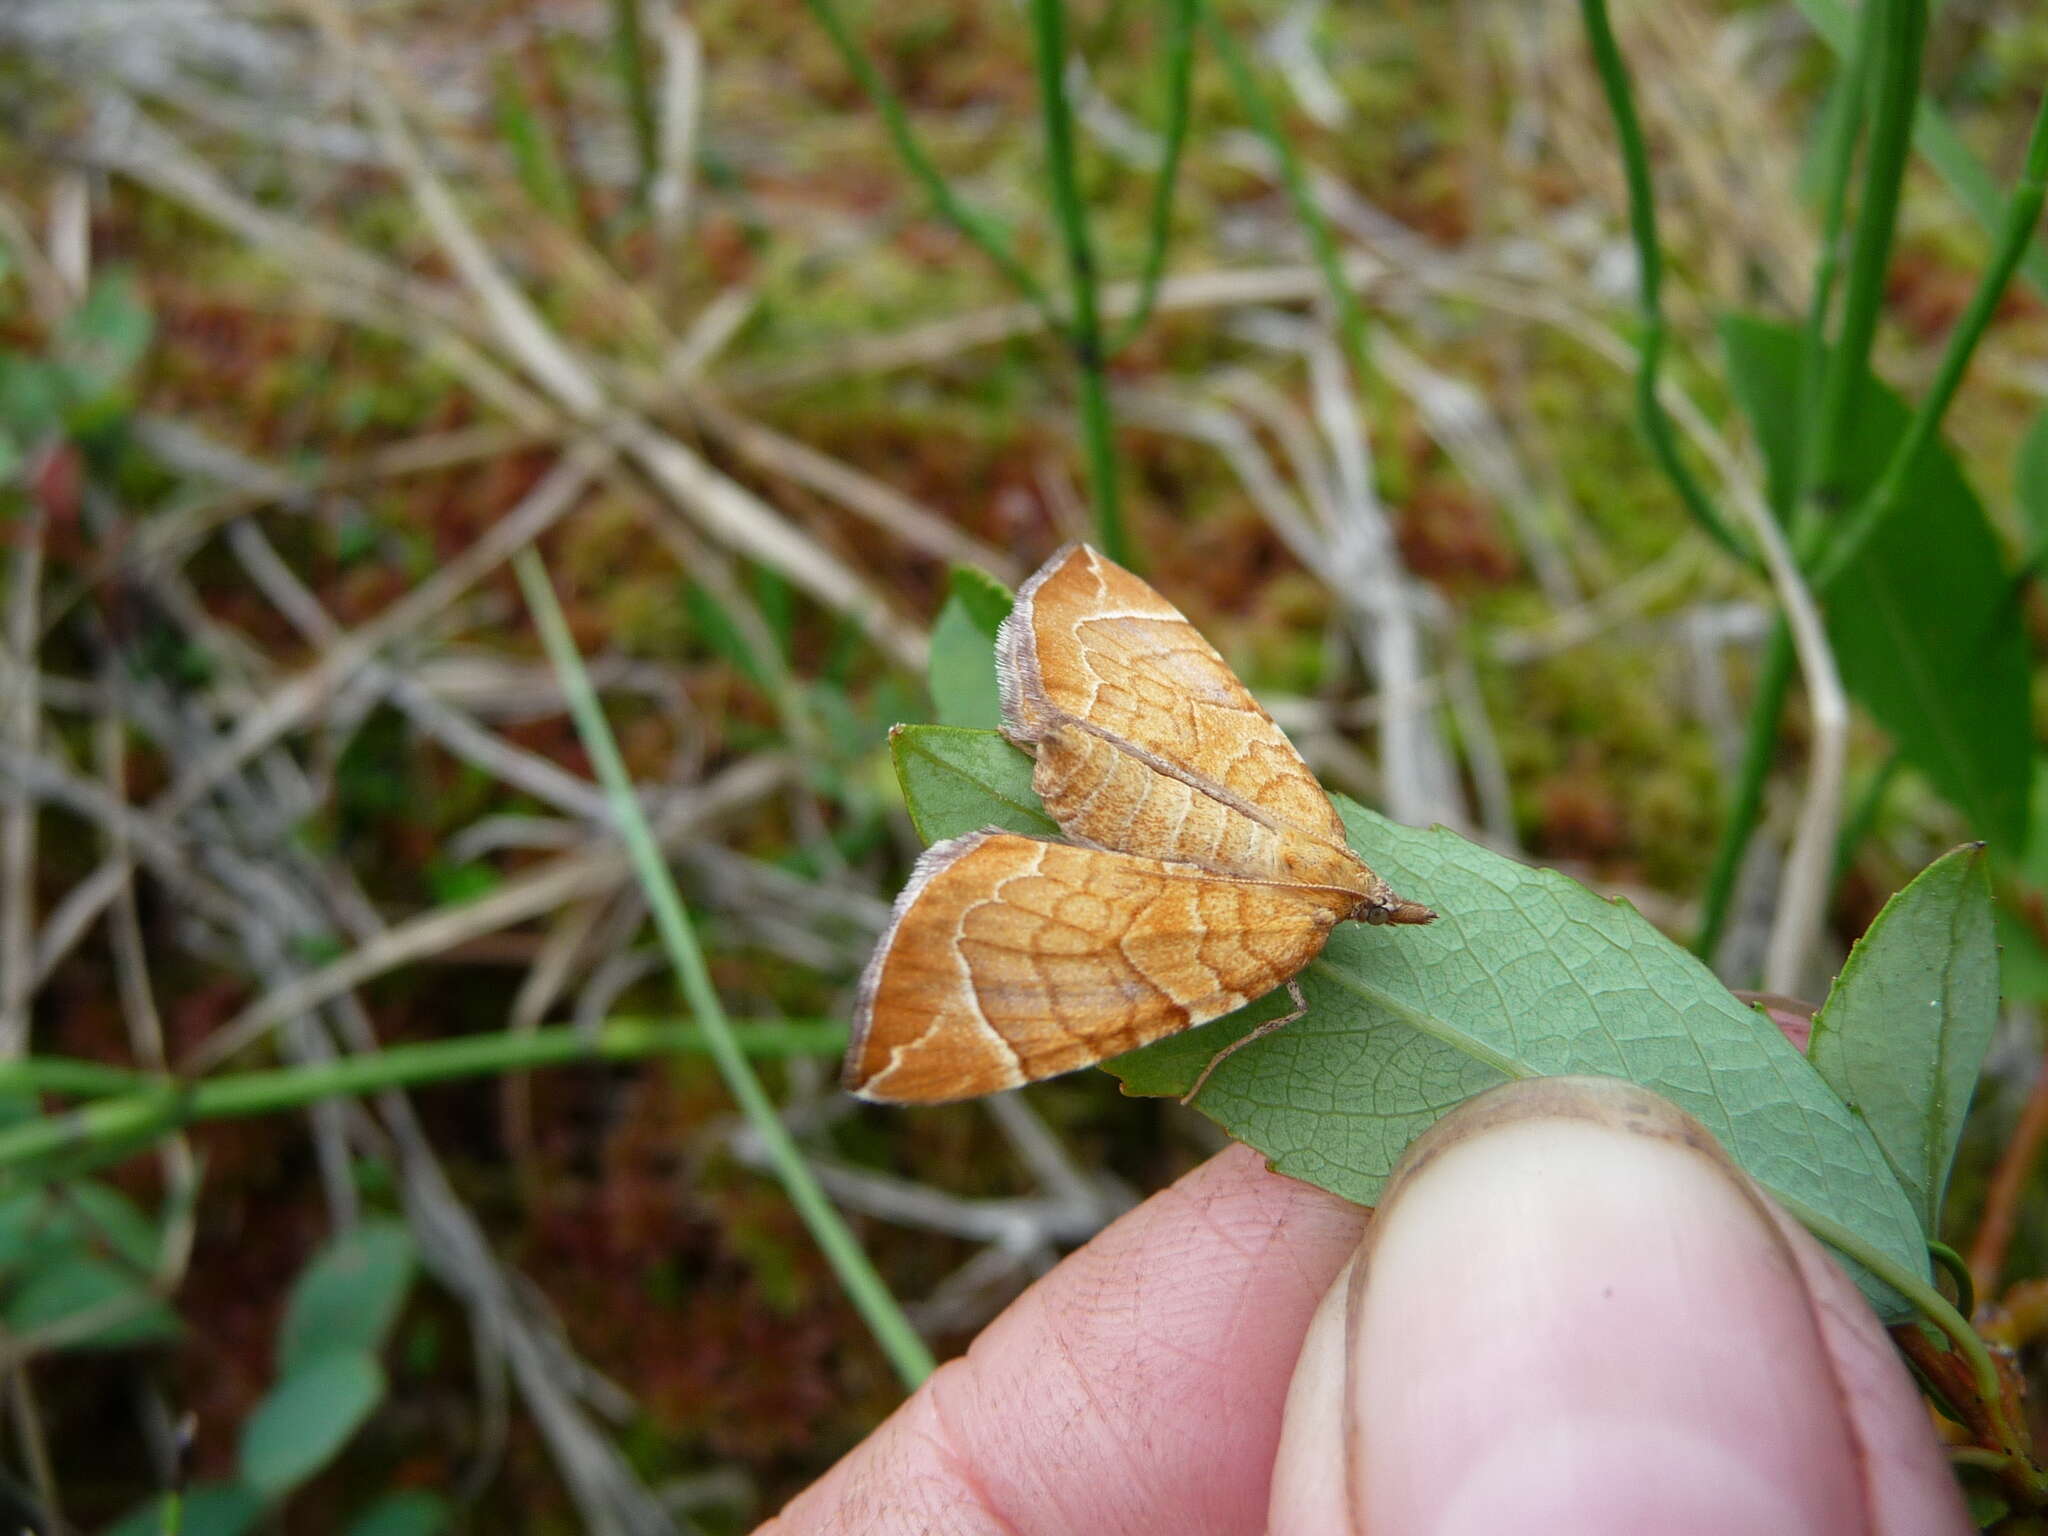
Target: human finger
(1574,1313)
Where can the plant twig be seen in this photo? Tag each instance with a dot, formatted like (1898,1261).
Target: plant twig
(629,63)
(570,878)
(682,82)
(1809,864)
(2011,1181)
(1258,107)
(21,712)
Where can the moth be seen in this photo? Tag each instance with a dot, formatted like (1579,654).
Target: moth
(1204,865)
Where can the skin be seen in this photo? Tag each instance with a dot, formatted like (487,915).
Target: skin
(1571,1313)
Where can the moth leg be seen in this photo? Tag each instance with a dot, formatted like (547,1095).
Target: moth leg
(1265,1029)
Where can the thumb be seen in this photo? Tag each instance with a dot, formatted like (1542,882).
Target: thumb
(1574,1313)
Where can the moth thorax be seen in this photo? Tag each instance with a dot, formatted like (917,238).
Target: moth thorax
(1311,861)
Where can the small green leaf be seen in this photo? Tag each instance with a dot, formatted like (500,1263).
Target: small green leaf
(415,1512)
(962,672)
(108,1218)
(305,1420)
(1524,974)
(73,1286)
(452,885)
(1903,1034)
(33,395)
(1921,622)
(346,1299)
(987,600)
(45,1225)
(957,781)
(207,1509)
(106,334)
(715,625)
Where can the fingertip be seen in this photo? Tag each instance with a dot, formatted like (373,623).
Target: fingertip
(1309,1484)
(1574,1313)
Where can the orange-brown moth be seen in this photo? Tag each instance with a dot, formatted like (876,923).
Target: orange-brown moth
(1206,866)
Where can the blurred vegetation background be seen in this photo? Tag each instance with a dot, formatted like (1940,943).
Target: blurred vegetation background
(313,316)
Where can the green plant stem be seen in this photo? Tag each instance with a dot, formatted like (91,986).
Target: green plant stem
(532,146)
(1642,219)
(1258,107)
(864,1287)
(2022,213)
(68,1076)
(1179,68)
(629,57)
(1774,681)
(978,230)
(1897,30)
(1048,33)
(1937,1309)
(1844,118)
(144,1102)
(1957,1268)
(1836,24)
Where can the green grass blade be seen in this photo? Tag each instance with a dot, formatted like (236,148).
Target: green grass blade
(1898,29)
(1966,178)
(1179,68)
(978,230)
(864,1287)
(1048,31)
(1642,220)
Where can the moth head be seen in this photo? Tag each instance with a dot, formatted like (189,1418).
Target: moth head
(1386,907)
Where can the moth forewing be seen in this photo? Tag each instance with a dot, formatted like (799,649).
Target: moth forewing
(1146,742)
(1211,865)
(1012,959)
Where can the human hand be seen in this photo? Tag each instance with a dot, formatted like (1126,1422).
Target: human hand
(1571,1313)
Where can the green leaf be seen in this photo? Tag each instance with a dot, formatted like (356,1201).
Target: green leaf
(709,617)
(106,334)
(962,673)
(1904,1031)
(346,1299)
(1920,622)
(107,1218)
(305,1420)
(207,1509)
(81,1283)
(1524,974)
(33,395)
(988,601)
(416,1512)
(957,781)
(2030,483)
(44,1225)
